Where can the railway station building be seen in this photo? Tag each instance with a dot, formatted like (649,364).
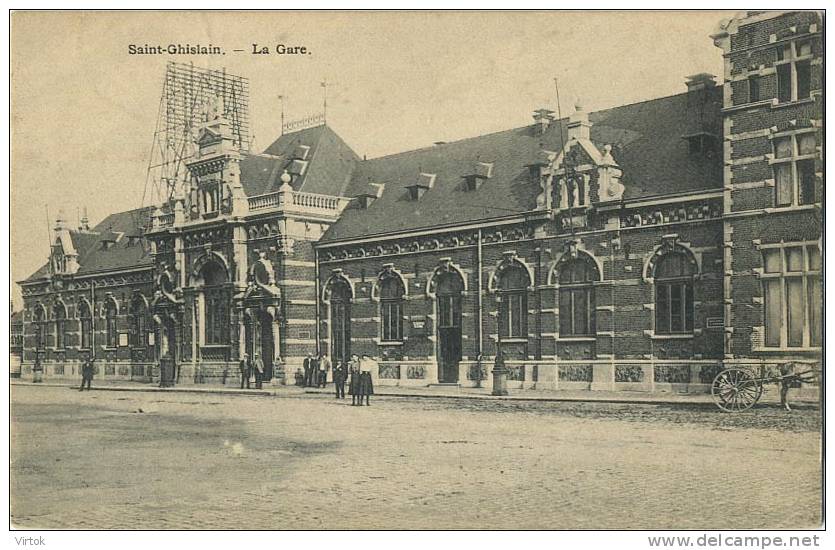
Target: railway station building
(641,247)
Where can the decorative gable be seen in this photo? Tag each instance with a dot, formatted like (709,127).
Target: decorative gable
(580,173)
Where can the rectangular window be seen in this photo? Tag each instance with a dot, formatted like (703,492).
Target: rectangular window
(513,315)
(112,335)
(794,172)
(784,83)
(59,334)
(773,312)
(806,175)
(449,311)
(577,312)
(674,307)
(792,296)
(392,320)
(804,79)
(753,88)
(86,330)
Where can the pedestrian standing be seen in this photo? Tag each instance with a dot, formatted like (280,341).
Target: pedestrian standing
(246,370)
(365,381)
(259,372)
(308,370)
(86,374)
(339,376)
(324,367)
(354,384)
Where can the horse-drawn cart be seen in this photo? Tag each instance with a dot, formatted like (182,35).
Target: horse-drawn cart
(738,388)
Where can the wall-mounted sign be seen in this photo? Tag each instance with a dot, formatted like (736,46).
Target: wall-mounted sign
(151,339)
(123,339)
(715,323)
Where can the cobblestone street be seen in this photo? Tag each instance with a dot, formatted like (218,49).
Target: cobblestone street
(118,460)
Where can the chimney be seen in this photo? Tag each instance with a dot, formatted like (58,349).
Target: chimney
(542,118)
(701,81)
(579,126)
(85,221)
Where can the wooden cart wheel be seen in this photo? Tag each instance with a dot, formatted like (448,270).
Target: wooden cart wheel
(736,389)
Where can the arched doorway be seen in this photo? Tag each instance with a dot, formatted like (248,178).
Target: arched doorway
(167,349)
(449,287)
(340,319)
(260,340)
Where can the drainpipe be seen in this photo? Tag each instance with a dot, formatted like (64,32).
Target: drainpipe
(318,321)
(480,326)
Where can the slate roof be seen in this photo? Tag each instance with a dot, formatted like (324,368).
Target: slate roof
(122,254)
(647,140)
(330,163)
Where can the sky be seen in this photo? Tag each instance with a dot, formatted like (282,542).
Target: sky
(84,111)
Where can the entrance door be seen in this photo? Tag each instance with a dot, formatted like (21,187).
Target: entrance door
(267,348)
(449,290)
(258,327)
(168,353)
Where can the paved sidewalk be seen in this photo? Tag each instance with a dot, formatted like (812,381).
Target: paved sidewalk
(770,395)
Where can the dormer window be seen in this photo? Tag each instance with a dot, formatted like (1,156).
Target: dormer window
(423,184)
(301,152)
(374,192)
(480,171)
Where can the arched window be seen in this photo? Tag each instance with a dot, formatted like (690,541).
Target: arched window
(340,298)
(513,308)
(40,327)
(111,333)
(391,308)
(138,322)
(59,314)
(577,299)
(673,275)
(85,318)
(215,304)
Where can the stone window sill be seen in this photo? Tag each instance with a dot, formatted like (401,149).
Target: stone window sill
(785,350)
(796,102)
(390,343)
(575,339)
(506,340)
(792,208)
(686,336)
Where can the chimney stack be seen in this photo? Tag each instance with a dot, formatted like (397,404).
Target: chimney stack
(542,119)
(701,81)
(579,126)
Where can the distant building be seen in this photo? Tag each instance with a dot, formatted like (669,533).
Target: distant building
(639,247)
(15,343)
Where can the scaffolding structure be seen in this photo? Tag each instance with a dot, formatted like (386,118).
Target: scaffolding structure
(188,95)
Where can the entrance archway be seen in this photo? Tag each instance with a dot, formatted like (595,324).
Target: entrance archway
(260,341)
(448,292)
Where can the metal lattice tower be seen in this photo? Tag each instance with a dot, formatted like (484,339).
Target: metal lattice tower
(187,92)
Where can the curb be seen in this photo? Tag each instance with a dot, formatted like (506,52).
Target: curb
(705,403)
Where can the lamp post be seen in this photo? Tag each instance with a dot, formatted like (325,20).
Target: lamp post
(499,371)
(37,368)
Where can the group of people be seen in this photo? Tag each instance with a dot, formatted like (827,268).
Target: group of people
(249,368)
(357,372)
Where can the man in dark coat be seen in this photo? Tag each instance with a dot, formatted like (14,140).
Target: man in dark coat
(339,376)
(309,365)
(86,374)
(246,370)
